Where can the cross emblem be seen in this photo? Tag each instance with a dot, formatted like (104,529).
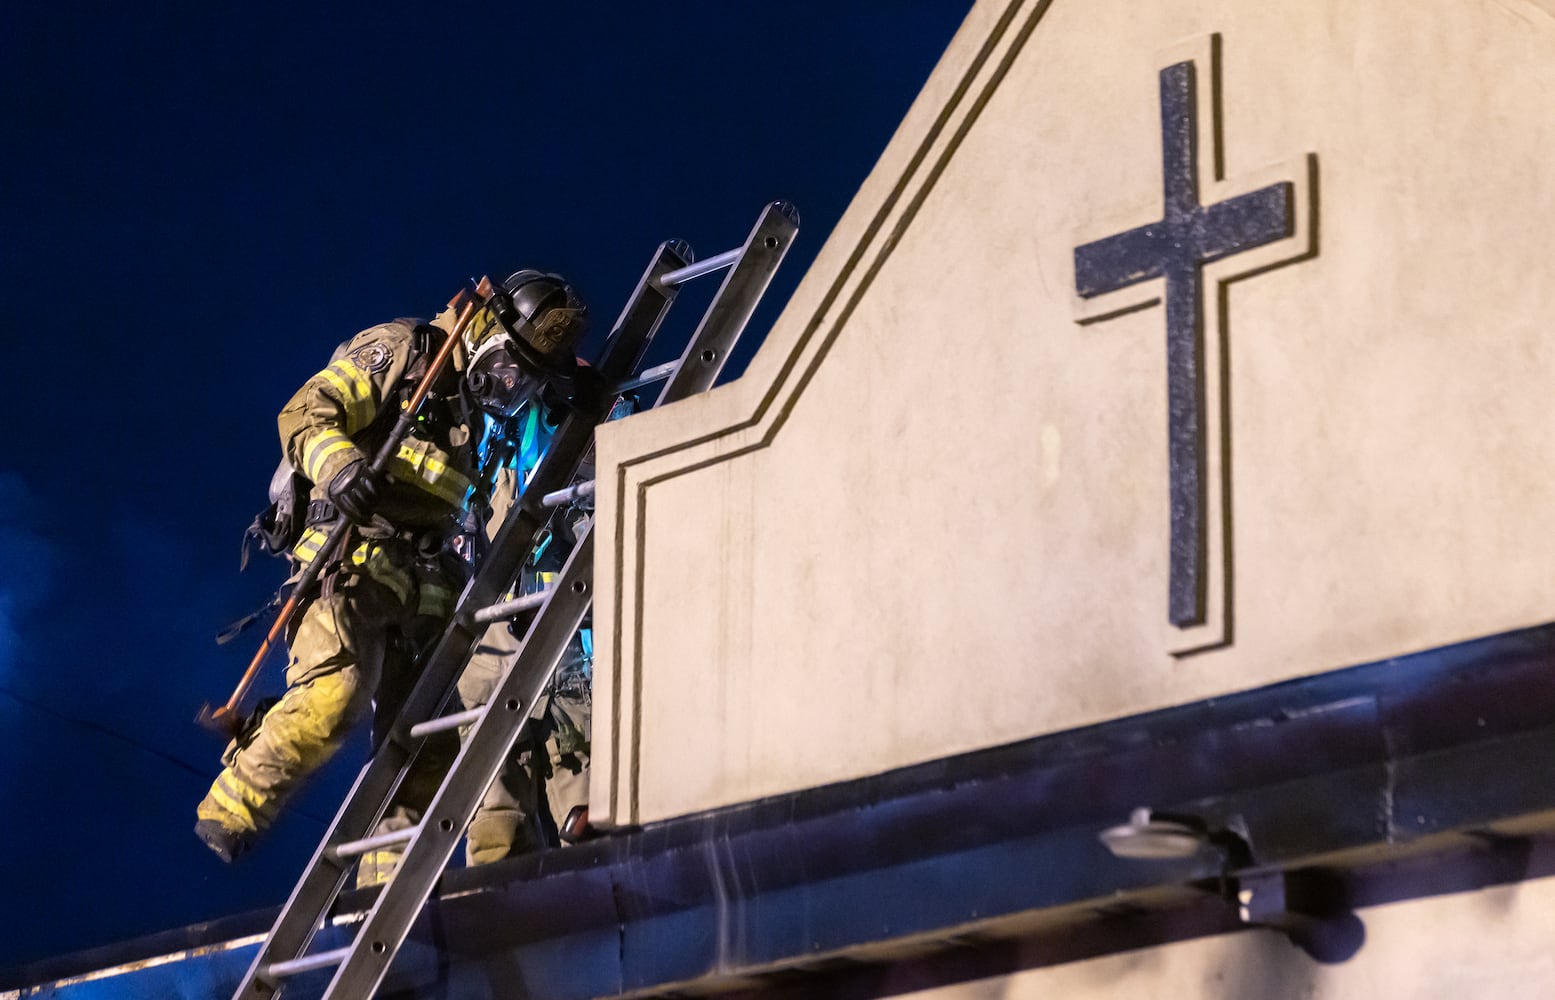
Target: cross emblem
(1170,260)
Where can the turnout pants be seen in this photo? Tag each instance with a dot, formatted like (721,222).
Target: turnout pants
(547,775)
(348,651)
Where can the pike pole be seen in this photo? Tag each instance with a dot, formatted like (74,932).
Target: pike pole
(225,720)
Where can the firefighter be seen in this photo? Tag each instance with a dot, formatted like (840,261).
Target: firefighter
(541,795)
(391,589)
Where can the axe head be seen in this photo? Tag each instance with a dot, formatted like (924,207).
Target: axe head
(222,721)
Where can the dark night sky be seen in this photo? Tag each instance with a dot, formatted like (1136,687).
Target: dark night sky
(199,202)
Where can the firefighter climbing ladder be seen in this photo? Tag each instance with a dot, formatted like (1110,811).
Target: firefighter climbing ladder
(361,966)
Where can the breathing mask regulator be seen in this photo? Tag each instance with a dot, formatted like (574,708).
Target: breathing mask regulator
(521,342)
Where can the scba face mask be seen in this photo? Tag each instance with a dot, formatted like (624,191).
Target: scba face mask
(500,384)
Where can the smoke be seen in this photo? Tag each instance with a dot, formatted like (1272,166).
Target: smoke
(27,567)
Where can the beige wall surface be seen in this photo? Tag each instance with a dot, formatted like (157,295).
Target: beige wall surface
(933,515)
(1431,949)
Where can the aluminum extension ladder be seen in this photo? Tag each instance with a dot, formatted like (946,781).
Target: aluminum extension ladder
(360,966)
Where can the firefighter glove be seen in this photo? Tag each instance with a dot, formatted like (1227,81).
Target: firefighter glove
(354,491)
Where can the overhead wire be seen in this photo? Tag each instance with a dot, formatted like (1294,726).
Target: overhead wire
(113,734)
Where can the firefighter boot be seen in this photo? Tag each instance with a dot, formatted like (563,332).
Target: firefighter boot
(228,844)
(575,828)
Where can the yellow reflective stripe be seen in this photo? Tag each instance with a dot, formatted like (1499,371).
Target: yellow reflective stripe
(309,544)
(347,398)
(376,867)
(439,473)
(355,392)
(431,474)
(367,555)
(341,385)
(229,801)
(361,385)
(435,600)
(360,395)
(383,855)
(320,449)
(253,800)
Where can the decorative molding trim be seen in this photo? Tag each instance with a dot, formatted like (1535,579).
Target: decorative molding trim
(747,414)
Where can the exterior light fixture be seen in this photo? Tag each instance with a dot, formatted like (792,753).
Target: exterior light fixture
(1150,836)
(1307,905)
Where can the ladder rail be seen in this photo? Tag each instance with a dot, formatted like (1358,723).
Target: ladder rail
(709,348)
(370,795)
(481,758)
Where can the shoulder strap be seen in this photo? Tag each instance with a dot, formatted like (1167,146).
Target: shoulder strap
(424,343)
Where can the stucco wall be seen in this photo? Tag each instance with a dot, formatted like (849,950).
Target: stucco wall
(1490,943)
(934,514)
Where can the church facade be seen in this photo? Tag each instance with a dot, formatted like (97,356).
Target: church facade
(1123,571)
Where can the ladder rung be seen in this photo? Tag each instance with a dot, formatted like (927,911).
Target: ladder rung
(307,963)
(683,274)
(446,722)
(657,373)
(356,848)
(577,491)
(507,609)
